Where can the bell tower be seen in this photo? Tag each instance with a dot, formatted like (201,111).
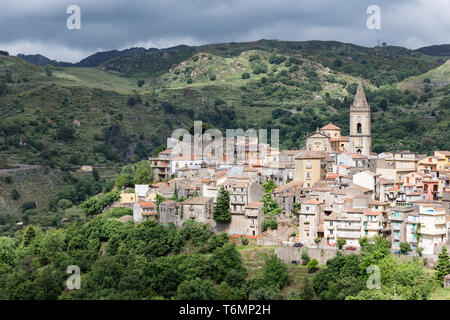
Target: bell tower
(360,133)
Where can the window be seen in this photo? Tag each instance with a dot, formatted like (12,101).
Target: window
(331,231)
(358,128)
(308,164)
(308,175)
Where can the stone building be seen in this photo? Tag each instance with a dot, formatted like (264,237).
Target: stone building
(198,208)
(169,211)
(360,132)
(311,215)
(143,211)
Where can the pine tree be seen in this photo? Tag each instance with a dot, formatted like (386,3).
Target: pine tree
(221,211)
(95,174)
(443,266)
(175,193)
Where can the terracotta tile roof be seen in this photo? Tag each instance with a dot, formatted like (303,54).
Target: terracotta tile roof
(313,201)
(289,185)
(205,180)
(304,154)
(372,213)
(255,205)
(290,152)
(386,181)
(146,204)
(330,126)
(337,191)
(167,151)
(356,156)
(197,200)
(331,175)
(288,194)
(356,210)
(416,193)
(170,203)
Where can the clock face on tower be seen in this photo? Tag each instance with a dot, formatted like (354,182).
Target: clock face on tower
(359,118)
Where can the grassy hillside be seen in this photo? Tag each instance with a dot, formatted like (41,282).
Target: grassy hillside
(130,104)
(437,78)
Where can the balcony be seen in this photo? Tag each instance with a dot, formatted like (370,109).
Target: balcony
(394,218)
(433,231)
(347,227)
(349,235)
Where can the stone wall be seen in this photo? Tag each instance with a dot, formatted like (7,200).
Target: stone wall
(287,254)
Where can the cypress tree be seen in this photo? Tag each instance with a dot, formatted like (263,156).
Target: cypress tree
(221,211)
(443,266)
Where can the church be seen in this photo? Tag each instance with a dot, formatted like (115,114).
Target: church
(329,138)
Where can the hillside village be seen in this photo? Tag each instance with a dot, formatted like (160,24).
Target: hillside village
(330,194)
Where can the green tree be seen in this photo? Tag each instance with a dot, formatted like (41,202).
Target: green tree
(7,250)
(95,174)
(225,259)
(307,292)
(221,210)
(275,273)
(312,265)
(305,257)
(443,265)
(15,194)
(419,250)
(143,174)
(158,199)
(197,289)
(28,235)
(269,186)
(125,180)
(405,247)
(341,243)
(175,193)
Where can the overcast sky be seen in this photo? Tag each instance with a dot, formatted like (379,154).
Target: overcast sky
(39,26)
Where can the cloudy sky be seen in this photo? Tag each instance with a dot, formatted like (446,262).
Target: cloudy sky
(39,26)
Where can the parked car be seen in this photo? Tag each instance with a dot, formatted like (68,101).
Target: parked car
(350,248)
(298,245)
(295,262)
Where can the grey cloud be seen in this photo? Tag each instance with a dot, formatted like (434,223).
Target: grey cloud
(111,24)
